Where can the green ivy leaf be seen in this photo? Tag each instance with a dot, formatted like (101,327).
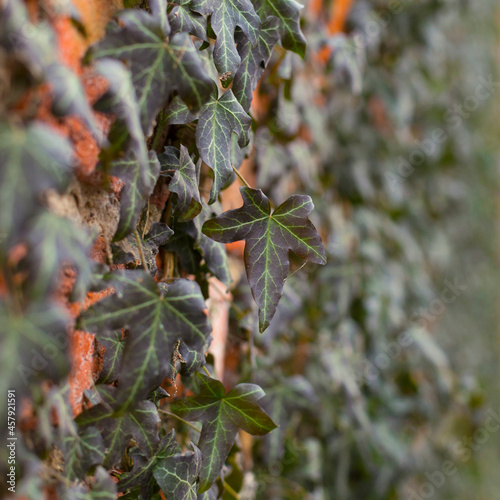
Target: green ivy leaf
(114,344)
(139,184)
(117,429)
(32,346)
(126,132)
(177,474)
(218,120)
(158,66)
(102,488)
(32,160)
(184,182)
(157,318)
(269,237)
(184,20)
(254,59)
(127,251)
(142,472)
(288,13)
(222,415)
(225,16)
(53,241)
(68,97)
(81,452)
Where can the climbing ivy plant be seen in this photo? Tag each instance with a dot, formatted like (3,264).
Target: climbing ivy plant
(180,78)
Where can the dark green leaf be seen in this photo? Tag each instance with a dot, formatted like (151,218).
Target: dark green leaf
(157,317)
(184,183)
(54,241)
(218,120)
(222,415)
(288,13)
(119,100)
(158,66)
(32,160)
(182,244)
(81,452)
(254,60)
(127,251)
(102,488)
(114,343)
(144,465)
(177,474)
(32,346)
(117,429)
(269,238)
(139,184)
(225,16)
(183,20)
(69,97)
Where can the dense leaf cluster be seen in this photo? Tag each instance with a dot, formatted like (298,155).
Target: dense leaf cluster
(166,65)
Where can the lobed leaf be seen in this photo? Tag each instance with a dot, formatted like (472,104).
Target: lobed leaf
(254,59)
(157,318)
(159,66)
(222,415)
(184,182)
(269,237)
(184,20)
(288,13)
(32,160)
(117,429)
(225,16)
(139,184)
(218,120)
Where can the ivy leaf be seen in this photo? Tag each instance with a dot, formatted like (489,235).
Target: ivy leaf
(127,251)
(81,452)
(142,472)
(183,20)
(222,415)
(126,132)
(117,429)
(158,67)
(269,238)
(114,343)
(157,318)
(288,13)
(102,488)
(184,183)
(176,475)
(53,241)
(254,61)
(69,97)
(32,346)
(139,184)
(32,160)
(218,120)
(225,16)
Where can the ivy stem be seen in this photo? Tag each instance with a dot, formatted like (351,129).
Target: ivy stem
(240,177)
(141,252)
(231,491)
(189,424)
(206,371)
(162,120)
